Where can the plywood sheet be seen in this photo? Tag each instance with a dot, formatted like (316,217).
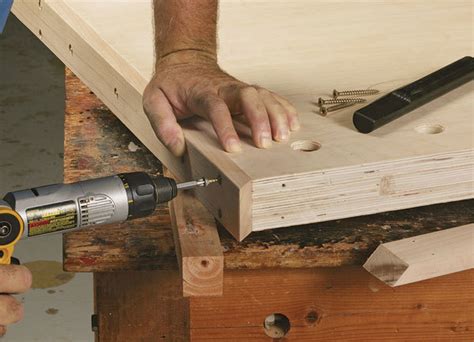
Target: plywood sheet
(301,49)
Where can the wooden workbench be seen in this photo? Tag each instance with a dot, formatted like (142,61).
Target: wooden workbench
(310,274)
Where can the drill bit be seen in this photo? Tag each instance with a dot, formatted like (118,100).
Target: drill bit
(203,182)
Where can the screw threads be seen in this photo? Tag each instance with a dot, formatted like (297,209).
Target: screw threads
(360,92)
(325,110)
(323,102)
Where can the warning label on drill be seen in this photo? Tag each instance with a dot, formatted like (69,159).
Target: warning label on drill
(51,218)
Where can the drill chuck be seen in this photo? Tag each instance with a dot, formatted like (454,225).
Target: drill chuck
(144,193)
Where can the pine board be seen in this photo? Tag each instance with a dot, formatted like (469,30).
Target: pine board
(301,49)
(423,257)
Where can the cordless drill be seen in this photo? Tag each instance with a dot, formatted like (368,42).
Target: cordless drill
(60,207)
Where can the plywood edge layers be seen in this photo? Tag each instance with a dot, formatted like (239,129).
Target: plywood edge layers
(120,87)
(230,201)
(366,189)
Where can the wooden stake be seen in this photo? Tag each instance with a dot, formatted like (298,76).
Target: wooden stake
(423,257)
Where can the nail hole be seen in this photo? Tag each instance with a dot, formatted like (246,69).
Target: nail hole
(116,92)
(312,317)
(283,217)
(306,145)
(276,325)
(283,185)
(429,128)
(40,33)
(70,49)
(40,5)
(204,263)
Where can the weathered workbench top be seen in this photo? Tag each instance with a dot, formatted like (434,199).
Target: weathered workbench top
(97,144)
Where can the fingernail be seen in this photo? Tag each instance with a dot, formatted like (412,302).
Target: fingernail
(233,146)
(177,147)
(265,141)
(283,135)
(295,125)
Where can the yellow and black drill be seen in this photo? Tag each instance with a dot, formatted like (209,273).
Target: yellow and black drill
(60,207)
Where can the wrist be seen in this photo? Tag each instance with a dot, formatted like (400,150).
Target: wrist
(187,56)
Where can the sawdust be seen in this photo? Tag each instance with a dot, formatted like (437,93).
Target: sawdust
(47,273)
(132,147)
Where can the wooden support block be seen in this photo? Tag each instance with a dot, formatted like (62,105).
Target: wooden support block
(423,257)
(198,247)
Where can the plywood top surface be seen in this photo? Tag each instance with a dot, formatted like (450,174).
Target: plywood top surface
(304,49)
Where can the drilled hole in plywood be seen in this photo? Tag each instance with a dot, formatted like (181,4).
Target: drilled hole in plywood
(276,325)
(116,92)
(40,4)
(306,145)
(40,33)
(70,49)
(204,263)
(429,129)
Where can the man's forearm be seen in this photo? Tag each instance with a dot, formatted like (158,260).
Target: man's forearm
(183,25)
(188,81)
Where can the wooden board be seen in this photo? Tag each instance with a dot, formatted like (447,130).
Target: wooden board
(96,143)
(423,257)
(301,49)
(332,304)
(198,247)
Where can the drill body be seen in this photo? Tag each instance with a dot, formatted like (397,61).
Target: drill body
(59,207)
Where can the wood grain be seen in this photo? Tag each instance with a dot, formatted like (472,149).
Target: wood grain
(332,304)
(337,304)
(96,143)
(351,174)
(140,306)
(423,257)
(198,247)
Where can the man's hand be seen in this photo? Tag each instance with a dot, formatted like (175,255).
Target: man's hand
(13,279)
(193,84)
(188,81)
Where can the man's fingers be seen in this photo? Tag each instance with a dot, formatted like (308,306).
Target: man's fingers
(277,114)
(163,120)
(14,279)
(11,310)
(215,109)
(254,110)
(3,330)
(291,112)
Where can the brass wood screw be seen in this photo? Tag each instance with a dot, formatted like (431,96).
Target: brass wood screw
(325,110)
(322,102)
(359,92)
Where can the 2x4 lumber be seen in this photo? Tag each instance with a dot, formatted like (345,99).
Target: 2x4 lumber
(198,247)
(423,257)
